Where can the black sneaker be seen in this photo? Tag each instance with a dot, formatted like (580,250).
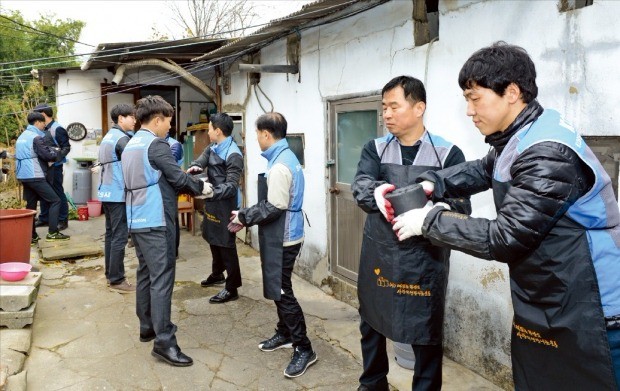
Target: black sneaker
(62,225)
(302,359)
(35,240)
(213,280)
(56,237)
(278,341)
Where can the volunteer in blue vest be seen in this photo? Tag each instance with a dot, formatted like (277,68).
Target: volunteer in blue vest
(413,315)
(111,193)
(33,157)
(55,136)
(177,151)
(224,163)
(557,226)
(152,179)
(280,223)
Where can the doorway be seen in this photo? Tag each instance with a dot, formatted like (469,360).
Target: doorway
(111,95)
(353,122)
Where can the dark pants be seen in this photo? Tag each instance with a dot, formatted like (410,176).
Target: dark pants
(427,368)
(155,280)
(115,241)
(614,344)
(56,175)
(177,239)
(225,258)
(291,322)
(42,191)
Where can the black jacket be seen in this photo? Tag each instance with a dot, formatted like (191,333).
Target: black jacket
(547,179)
(234,169)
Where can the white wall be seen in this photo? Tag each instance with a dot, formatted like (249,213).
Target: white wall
(576,55)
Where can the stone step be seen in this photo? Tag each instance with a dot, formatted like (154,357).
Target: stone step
(17,319)
(79,246)
(17,297)
(32,279)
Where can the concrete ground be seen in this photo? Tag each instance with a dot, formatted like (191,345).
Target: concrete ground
(85,337)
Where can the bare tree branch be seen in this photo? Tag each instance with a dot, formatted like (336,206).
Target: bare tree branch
(213,18)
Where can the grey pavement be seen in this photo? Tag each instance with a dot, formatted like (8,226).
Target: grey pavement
(85,336)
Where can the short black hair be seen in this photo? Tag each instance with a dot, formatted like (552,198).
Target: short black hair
(122,109)
(152,106)
(274,123)
(35,116)
(413,88)
(223,122)
(497,66)
(45,108)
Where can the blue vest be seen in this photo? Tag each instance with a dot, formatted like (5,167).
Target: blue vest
(171,141)
(28,165)
(294,220)
(111,185)
(432,153)
(144,202)
(52,131)
(224,150)
(597,211)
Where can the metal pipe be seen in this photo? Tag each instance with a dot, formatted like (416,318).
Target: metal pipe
(257,68)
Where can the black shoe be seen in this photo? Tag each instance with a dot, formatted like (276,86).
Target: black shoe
(301,360)
(147,337)
(278,341)
(213,280)
(62,225)
(40,223)
(224,296)
(173,356)
(56,237)
(35,240)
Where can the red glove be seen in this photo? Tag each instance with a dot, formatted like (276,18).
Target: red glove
(235,224)
(385,207)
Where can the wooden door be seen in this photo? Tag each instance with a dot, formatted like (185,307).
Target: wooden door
(353,123)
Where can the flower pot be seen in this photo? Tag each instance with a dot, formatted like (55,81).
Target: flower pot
(15,234)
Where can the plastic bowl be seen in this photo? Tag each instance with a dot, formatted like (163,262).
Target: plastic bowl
(14,271)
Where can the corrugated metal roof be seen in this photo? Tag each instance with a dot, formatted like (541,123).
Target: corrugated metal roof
(321,11)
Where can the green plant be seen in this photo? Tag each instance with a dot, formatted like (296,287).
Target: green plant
(73,214)
(12,203)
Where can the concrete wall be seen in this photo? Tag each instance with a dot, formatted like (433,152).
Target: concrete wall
(575,54)
(79,100)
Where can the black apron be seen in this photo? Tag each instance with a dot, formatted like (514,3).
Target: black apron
(559,337)
(271,241)
(217,213)
(402,286)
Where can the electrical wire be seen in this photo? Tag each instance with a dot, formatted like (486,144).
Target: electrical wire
(45,33)
(234,56)
(148,81)
(208,66)
(265,95)
(124,49)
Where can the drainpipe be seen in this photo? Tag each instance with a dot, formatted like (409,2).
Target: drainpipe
(170,66)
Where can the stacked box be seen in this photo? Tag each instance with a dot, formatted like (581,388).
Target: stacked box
(17,301)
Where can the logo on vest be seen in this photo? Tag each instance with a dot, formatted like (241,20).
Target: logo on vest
(533,336)
(401,288)
(212,218)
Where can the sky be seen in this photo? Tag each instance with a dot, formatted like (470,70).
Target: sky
(128,20)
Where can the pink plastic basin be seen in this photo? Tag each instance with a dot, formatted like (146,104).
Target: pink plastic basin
(14,271)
